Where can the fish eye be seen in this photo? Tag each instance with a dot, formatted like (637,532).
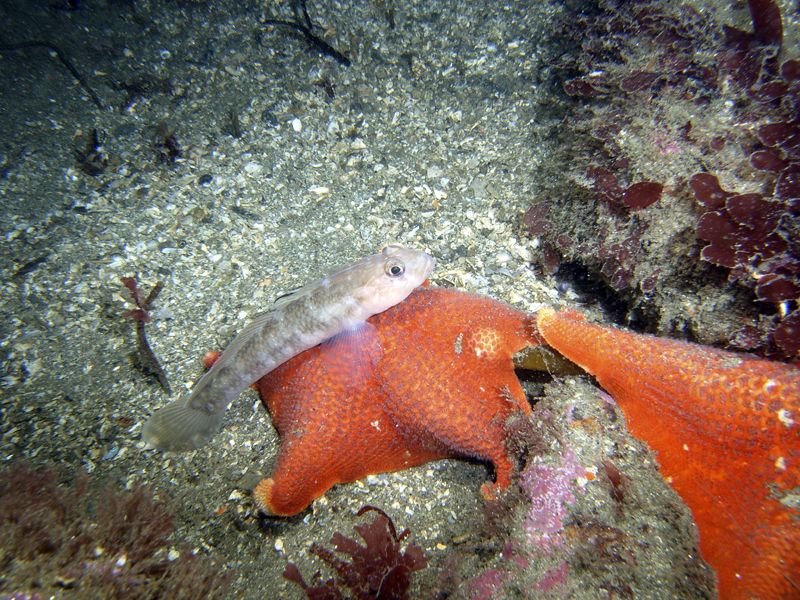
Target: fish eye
(395,268)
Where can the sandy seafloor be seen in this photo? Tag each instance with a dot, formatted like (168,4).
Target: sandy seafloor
(439,136)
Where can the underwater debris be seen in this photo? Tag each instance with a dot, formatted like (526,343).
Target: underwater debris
(328,87)
(142,87)
(167,145)
(60,54)
(103,544)
(29,267)
(379,570)
(235,128)
(140,316)
(306,30)
(92,160)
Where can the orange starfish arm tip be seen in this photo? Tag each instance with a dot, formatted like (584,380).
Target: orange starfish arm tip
(261,496)
(726,430)
(209,358)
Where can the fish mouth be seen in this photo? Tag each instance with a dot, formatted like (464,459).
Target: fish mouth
(430,265)
(421,266)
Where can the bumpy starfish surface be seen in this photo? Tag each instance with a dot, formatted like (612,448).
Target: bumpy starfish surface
(430,378)
(726,429)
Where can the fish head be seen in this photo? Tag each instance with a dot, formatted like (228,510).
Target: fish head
(389,277)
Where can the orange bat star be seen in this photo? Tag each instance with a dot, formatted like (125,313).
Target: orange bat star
(727,432)
(429,378)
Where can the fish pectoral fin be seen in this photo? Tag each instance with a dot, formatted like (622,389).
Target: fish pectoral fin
(357,350)
(178,428)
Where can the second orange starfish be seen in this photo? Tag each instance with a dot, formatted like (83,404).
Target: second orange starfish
(727,432)
(433,377)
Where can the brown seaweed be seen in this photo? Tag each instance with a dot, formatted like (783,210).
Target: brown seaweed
(60,54)
(140,315)
(306,29)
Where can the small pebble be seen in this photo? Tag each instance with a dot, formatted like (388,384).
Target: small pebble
(253,168)
(112,452)
(333,128)
(269,118)
(205,179)
(56,319)
(297,125)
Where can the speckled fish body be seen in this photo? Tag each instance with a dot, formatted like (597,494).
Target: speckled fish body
(339,303)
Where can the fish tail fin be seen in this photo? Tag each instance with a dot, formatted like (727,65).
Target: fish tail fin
(177,427)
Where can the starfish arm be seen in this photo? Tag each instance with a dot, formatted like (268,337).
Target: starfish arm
(332,433)
(726,429)
(451,376)
(325,452)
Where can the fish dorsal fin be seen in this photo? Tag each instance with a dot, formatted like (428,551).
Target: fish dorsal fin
(284,299)
(251,329)
(287,298)
(306,290)
(338,319)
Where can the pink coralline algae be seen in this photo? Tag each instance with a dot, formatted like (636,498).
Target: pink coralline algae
(549,489)
(555,578)
(492,583)
(488,585)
